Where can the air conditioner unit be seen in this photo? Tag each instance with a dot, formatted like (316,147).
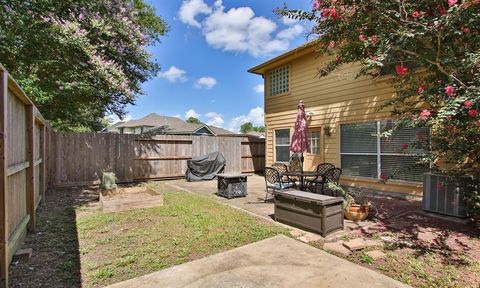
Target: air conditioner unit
(441,194)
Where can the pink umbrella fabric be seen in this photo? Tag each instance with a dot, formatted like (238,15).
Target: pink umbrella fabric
(300,141)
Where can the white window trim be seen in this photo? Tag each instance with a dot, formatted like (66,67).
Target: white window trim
(283,145)
(378,154)
(268,80)
(320,144)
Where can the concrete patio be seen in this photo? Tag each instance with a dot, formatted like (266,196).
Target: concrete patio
(275,262)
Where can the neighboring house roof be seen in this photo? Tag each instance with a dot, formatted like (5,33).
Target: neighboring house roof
(113,126)
(256,134)
(181,128)
(284,58)
(170,125)
(153,120)
(220,131)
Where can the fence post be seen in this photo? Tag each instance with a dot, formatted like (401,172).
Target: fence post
(30,122)
(3,179)
(43,176)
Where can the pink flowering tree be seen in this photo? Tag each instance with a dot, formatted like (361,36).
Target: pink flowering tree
(430,50)
(79,60)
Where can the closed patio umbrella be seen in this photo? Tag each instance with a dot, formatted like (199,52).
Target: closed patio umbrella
(300,143)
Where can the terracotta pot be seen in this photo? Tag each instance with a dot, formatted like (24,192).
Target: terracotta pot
(357,212)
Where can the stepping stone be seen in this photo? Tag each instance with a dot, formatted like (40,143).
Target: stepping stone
(428,237)
(296,233)
(373,243)
(313,237)
(303,239)
(337,247)
(376,254)
(395,241)
(355,244)
(23,255)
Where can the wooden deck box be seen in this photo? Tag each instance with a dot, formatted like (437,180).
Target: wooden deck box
(315,212)
(232,185)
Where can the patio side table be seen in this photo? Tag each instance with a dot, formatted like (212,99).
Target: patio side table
(232,185)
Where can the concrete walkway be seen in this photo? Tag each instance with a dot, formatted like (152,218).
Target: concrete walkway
(275,262)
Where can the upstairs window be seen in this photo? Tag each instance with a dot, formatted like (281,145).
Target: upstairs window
(279,81)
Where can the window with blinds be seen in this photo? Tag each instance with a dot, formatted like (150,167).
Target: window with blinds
(363,152)
(358,148)
(282,145)
(279,81)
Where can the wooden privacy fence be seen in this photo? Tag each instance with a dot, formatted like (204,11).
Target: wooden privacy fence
(23,166)
(80,158)
(33,157)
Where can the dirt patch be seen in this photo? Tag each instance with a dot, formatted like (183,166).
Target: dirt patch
(422,249)
(127,198)
(55,261)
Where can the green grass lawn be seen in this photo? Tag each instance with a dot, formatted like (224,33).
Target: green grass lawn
(119,246)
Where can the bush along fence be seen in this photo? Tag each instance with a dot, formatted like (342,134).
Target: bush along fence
(23,167)
(34,157)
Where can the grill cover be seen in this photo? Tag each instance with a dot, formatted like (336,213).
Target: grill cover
(205,167)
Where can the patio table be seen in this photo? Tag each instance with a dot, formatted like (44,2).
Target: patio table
(302,176)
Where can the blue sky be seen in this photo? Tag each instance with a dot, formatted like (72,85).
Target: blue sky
(206,54)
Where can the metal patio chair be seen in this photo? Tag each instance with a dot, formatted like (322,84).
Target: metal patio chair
(312,183)
(332,175)
(273,182)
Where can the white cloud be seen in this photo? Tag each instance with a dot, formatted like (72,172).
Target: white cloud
(260,88)
(290,33)
(238,29)
(174,74)
(191,9)
(255,116)
(214,119)
(206,82)
(192,113)
(288,21)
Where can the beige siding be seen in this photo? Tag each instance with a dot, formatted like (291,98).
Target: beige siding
(335,99)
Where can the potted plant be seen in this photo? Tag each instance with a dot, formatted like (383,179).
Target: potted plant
(355,205)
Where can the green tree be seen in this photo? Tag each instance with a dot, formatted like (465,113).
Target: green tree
(248,127)
(79,60)
(431,49)
(259,129)
(193,120)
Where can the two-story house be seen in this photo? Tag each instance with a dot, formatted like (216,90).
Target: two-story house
(344,116)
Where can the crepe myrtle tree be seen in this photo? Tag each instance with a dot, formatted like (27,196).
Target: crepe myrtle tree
(79,60)
(431,51)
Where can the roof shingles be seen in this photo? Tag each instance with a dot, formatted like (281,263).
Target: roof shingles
(170,125)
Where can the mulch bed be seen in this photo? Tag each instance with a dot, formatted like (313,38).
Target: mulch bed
(55,261)
(424,249)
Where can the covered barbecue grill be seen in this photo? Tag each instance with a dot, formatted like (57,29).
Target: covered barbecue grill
(205,167)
